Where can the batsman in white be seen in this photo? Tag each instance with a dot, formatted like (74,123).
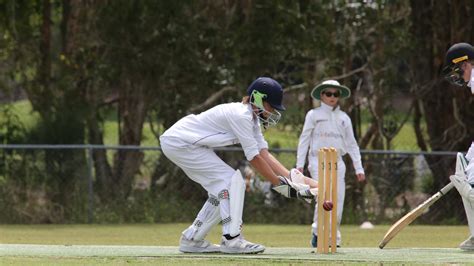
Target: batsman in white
(189,144)
(328,126)
(460,72)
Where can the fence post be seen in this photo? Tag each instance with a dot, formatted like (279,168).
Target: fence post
(90,185)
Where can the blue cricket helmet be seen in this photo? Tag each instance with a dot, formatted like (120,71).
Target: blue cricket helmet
(455,56)
(459,52)
(271,90)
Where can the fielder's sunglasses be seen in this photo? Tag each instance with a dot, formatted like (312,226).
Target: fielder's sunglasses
(330,94)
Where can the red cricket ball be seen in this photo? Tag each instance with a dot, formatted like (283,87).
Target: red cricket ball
(327,205)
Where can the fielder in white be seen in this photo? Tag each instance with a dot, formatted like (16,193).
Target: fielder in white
(459,71)
(189,144)
(328,126)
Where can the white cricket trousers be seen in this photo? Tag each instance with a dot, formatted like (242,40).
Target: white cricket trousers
(341,192)
(203,166)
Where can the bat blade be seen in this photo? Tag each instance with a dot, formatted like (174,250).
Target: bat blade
(461,165)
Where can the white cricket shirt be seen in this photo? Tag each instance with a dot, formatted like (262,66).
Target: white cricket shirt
(325,127)
(222,125)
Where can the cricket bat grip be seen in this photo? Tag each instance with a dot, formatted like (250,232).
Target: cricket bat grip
(446,188)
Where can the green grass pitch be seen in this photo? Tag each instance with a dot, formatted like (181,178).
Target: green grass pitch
(156,244)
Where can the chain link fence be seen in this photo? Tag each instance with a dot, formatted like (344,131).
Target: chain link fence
(131,184)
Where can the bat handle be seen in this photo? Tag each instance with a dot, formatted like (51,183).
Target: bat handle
(446,188)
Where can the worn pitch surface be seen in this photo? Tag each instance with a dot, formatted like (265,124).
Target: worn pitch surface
(369,255)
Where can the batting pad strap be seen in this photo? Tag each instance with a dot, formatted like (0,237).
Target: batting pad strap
(198,223)
(213,201)
(226,220)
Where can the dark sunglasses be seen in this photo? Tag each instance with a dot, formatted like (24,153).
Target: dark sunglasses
(330,94)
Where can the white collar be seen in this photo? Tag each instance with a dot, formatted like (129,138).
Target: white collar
(329,108)
(255,119)
(250,108)
(471,82)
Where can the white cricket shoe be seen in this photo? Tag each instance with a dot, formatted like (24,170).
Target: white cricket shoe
(197,246)
(468,244)
(239,245)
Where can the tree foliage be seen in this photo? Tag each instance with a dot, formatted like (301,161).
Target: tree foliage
(157,61)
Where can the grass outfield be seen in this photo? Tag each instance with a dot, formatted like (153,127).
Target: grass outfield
(286,244)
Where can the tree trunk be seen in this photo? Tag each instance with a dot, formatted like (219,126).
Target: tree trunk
(45,46)
(133,110)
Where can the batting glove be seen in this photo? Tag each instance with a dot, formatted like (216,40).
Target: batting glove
(292,190)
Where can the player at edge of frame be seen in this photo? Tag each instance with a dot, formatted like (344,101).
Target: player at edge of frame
(459,71)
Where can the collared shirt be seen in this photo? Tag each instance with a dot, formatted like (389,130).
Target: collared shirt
(328,127)
(222,125)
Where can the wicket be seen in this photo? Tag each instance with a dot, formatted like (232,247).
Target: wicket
(327,190)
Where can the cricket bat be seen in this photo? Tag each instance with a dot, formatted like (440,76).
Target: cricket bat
(461,165)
